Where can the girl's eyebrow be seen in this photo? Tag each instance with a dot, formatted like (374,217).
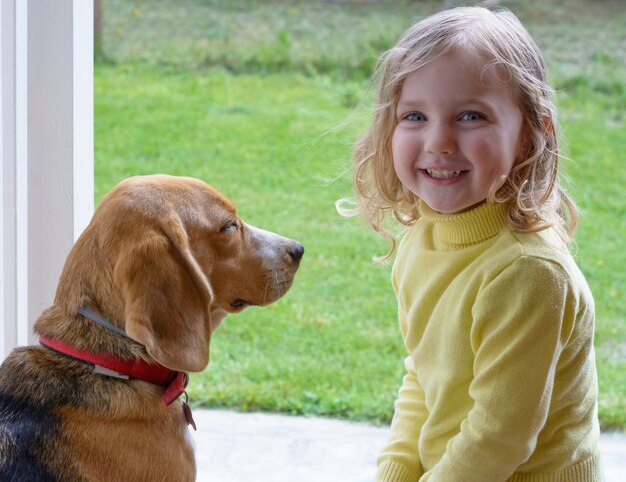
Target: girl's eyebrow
(480,102)
(477,101)
(409,103)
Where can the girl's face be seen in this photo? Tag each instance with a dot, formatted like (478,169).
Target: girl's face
(458,132)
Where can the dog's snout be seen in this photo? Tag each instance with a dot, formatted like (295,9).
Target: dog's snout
(274,248)
(296,252)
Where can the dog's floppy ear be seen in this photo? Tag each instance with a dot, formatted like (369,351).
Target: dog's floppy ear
(166,297)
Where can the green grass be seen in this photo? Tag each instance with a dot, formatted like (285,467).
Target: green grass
(594,125)
(275,135)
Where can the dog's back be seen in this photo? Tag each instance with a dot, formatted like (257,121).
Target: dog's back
(29,423)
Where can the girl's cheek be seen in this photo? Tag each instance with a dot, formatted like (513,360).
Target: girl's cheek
(403,146)
(483,149)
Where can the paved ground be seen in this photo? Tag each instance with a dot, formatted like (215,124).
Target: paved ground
(235,447)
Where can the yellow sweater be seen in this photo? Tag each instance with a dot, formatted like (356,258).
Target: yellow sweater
(501,379)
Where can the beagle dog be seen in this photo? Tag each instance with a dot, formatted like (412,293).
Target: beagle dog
(161,264)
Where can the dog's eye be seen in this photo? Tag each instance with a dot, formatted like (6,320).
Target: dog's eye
(229,226)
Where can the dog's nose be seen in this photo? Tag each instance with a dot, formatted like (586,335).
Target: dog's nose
(297,252)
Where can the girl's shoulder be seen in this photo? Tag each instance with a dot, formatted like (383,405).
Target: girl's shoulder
(545,253)
(546,245)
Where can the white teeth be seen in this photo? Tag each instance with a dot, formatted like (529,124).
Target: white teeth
(443,173)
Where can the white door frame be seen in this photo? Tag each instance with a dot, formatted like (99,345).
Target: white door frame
(46,152)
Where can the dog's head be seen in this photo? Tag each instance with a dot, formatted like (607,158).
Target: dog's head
(182,260)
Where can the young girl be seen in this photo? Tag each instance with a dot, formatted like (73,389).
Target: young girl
(497,319)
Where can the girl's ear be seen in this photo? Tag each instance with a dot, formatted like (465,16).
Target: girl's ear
(549,127)
(548,132)
(166,301)
(547,123)
(525,143)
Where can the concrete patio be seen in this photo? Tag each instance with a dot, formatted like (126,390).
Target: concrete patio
(238,447)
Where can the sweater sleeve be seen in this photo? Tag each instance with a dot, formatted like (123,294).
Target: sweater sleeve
(399,460)
(521,320)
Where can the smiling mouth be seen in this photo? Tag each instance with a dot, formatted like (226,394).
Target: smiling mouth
(444,173)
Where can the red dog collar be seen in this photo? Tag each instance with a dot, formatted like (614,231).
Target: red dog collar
(174,382)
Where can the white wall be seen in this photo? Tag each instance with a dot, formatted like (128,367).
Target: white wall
(46,167)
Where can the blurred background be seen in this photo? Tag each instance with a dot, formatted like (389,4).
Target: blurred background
(264,100)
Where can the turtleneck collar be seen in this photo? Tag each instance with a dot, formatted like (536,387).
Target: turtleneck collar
(466,228)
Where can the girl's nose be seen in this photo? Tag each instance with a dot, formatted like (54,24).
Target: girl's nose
(440,139)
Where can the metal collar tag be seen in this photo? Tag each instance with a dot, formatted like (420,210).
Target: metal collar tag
(110,373)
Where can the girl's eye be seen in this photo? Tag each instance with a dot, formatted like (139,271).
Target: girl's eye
(229,226)
(415,117)
(471,116)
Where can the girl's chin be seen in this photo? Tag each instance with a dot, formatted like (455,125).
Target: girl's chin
(448,209)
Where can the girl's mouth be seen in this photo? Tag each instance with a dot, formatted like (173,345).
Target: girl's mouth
(443,173)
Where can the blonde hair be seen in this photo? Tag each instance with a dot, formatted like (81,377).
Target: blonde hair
(534,197)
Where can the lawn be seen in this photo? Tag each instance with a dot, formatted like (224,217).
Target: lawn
(263,100)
